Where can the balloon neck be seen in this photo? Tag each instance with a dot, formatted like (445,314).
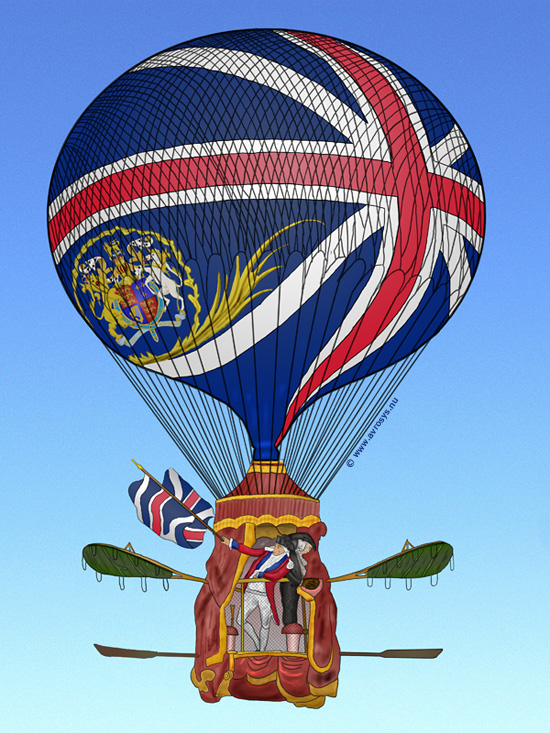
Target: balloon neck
(265,452)
(267,467)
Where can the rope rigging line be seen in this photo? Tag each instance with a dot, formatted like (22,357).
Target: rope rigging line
(325,416)
(347,447)
(193,442)
(315,449)
(159,410)
(241,379)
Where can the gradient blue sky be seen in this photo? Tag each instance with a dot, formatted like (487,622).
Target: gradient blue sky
(463,457)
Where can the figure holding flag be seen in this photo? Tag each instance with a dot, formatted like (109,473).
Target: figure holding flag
(272,564)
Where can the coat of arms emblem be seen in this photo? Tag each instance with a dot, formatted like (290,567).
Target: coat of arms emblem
(129,285)
(134,287)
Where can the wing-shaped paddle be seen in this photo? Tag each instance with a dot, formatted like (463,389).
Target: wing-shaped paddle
(111,560)
(417,562)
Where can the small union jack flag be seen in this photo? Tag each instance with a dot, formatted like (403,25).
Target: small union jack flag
(166,516)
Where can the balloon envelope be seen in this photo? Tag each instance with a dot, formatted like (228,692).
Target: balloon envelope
(266,216)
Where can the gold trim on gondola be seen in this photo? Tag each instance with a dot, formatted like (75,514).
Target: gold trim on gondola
(246,497)
(217,658)
(311,634)
(315,699)
(307,521)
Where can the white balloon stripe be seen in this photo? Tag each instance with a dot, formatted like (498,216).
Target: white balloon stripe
(287,81)
(205,150)
(139,493)
(451,148)
(190,197)
(286,300)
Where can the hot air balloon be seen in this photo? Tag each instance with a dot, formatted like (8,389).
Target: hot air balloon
(265,228)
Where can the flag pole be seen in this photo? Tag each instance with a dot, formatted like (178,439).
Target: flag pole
(176,499)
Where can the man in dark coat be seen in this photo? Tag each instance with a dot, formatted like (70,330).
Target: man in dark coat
(301,543)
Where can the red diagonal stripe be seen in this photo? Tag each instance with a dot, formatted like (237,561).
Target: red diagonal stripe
(191,499)
(413,188)
(417,190)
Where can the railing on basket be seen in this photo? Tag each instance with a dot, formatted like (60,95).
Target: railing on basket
(241,585)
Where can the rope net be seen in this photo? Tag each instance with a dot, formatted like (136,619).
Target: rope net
(265,228)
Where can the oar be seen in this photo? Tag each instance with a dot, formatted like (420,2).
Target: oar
(111,651)
(398,654)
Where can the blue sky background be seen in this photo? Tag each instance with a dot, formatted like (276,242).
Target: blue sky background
(463,457)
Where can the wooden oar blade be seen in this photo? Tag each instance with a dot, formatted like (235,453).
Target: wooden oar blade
(397,654)
(111,651)
(411,653)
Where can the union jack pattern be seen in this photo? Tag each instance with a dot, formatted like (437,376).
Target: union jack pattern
(218,145)
(167,517)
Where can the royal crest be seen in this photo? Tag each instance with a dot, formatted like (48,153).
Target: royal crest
(134,284)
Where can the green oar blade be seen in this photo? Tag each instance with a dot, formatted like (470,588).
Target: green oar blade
(418,562)
(110,560)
